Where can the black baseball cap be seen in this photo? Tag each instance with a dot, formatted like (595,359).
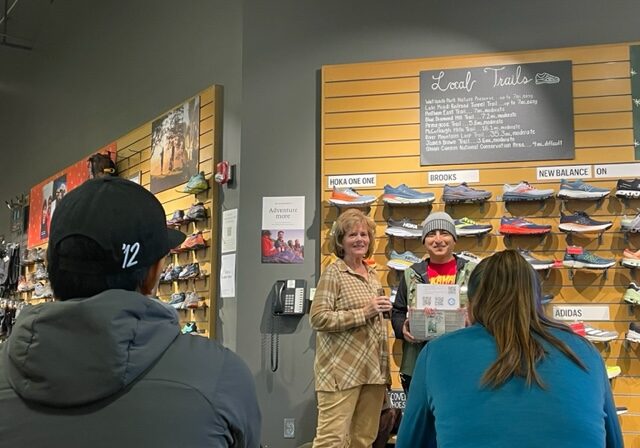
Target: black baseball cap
(126,220)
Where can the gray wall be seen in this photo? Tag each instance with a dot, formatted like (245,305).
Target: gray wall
(103,68)
(285,43)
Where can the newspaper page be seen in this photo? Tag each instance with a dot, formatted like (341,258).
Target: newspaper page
(447,317)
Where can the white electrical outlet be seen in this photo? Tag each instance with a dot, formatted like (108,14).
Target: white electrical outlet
(289,428)
(312,294)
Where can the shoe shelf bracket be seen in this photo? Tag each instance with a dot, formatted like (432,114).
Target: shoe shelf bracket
(569,237)
(565,201)
(540,201)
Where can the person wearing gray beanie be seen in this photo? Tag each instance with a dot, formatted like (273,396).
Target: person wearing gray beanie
(441,266)
(439,221)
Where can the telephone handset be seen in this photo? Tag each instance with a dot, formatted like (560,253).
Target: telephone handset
(289,298)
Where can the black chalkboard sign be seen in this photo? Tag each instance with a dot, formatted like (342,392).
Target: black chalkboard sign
(497,113)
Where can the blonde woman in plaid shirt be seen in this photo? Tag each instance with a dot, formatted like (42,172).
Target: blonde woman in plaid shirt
(352,358)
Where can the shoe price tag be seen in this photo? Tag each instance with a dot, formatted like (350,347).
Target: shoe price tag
(439,297)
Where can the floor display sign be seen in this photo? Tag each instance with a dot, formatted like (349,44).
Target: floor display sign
(282,236)
(496,113)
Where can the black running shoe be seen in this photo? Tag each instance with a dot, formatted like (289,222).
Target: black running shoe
(628,188)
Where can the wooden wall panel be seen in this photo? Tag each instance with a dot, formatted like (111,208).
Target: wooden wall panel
(370,125)
(134,155)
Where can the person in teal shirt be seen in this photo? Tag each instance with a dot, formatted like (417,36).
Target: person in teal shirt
(513,378)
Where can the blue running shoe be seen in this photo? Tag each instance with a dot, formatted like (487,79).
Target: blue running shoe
(577,257)
(464,193)
(405,195)
(580,222)
(577,189)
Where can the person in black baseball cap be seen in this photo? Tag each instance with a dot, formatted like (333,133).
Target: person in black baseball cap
(104,352)
(107,234)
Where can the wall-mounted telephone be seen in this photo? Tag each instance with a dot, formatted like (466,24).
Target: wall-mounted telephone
(290,297)
(288,300)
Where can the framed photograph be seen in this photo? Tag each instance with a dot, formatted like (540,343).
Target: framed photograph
(175,143)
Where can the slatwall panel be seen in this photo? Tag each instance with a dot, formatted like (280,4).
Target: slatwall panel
(370,125)
(134,155)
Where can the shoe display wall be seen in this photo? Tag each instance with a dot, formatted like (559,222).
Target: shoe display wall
(192,207)
(548,206)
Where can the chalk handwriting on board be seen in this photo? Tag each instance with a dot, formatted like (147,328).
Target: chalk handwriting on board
(515,79)
(443,86)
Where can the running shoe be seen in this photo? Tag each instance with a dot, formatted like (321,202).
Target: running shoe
(190,270)
(38,254)
(197,184)
(578,328)
(464,193)
(628,188)
(194,241)
(348,196)
(547,298)
(577,189)
(468,227)
(192,300)
(403,228)
(189,327)
(536,263)
(621,410)
(630,224)
(520,226)
(176,219)
(613,371)
(402,261)
(196,212)
(633,334)
(473,258)
(524,192)
(172,274)
(595,335)
(177,300)
(405,195)
(577,257)
(581,222)
(40,273)
(42,290)
(632,294)
(630,259)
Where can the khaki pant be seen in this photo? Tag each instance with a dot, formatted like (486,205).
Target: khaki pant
(352,414)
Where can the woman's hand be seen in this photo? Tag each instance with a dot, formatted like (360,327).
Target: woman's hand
(379,304)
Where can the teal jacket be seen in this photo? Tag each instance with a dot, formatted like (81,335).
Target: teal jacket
(406,296)
(449,408)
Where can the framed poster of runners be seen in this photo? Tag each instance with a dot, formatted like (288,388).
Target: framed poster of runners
(175,146)
(496,113)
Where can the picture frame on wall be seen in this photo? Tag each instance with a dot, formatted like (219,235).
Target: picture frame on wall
(175,143)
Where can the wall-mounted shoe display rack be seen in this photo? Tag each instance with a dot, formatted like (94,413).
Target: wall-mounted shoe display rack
(370,124)
(133,160)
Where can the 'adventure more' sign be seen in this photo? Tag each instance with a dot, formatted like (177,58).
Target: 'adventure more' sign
(497,113)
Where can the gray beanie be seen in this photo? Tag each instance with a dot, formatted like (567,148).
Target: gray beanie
(439,221)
